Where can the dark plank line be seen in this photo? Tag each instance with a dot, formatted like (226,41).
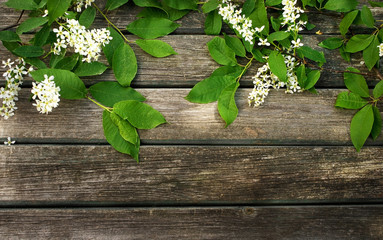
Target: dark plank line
(195,223)
(183,175)
(194,64)
(299,119)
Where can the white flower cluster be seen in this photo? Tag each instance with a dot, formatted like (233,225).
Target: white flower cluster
(380,49)
(87,43)
(47,93)
(291,14)
(243,25)
(83,3)
(265,79)
(14,78)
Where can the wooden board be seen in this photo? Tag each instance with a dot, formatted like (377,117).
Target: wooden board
(328,222)
(33,175)
(194,64)
(301,119)
(193,23)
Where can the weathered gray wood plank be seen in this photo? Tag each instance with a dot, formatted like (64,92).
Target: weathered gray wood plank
(193,23)
(72,175)
(302,118)
(194,64)
(352,222)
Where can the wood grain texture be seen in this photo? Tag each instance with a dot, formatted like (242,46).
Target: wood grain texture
(192,23)
(194,64)
(72,175)
(302,118)
(194,223)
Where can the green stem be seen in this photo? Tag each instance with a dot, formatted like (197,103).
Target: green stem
(114,26)
(245,69)
(100,105)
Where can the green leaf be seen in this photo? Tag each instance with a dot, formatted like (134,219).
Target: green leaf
(9,36)
(371,53)
(113,4)
(67,63)
(312,79)
(258,55)
(359,42)
(55,59)
(341,5)
(150,12)
(87,17)
(90,69)
(110,48)
(210,89)
(278,66)
(11,46)
(182,5)
(174,14)
(331,43)
(213,23)
(277,36)
(301,75)
(29,51)
(347,21)
(22,4)
(361,126)
(275,23)
(35,62)
(110,93)
(124,65)
(140,115)
(367,17)
(259,16)
(273,2)
(156,48)
(221,53)
(378,90)
(376,4)
(126,130)
(345,55)
(149,28)
(377,126)
(71,86)
(248,7)
(356,83)
(211,5)
(312,54)
(115,139)
(148,3)
(30,24)
(226,104)
(56,8)
(41,36)
(350,100)
(236,45)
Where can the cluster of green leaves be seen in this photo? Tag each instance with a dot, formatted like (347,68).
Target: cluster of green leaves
(124,110)
(365,43)
(223,83)
(366,121)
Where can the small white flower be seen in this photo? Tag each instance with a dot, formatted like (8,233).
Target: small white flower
(45,13)
(297,43)
(380,49)
(9,142)
(263,42)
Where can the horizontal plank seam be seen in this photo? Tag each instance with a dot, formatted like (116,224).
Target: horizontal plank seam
(261,204)
(186,144)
